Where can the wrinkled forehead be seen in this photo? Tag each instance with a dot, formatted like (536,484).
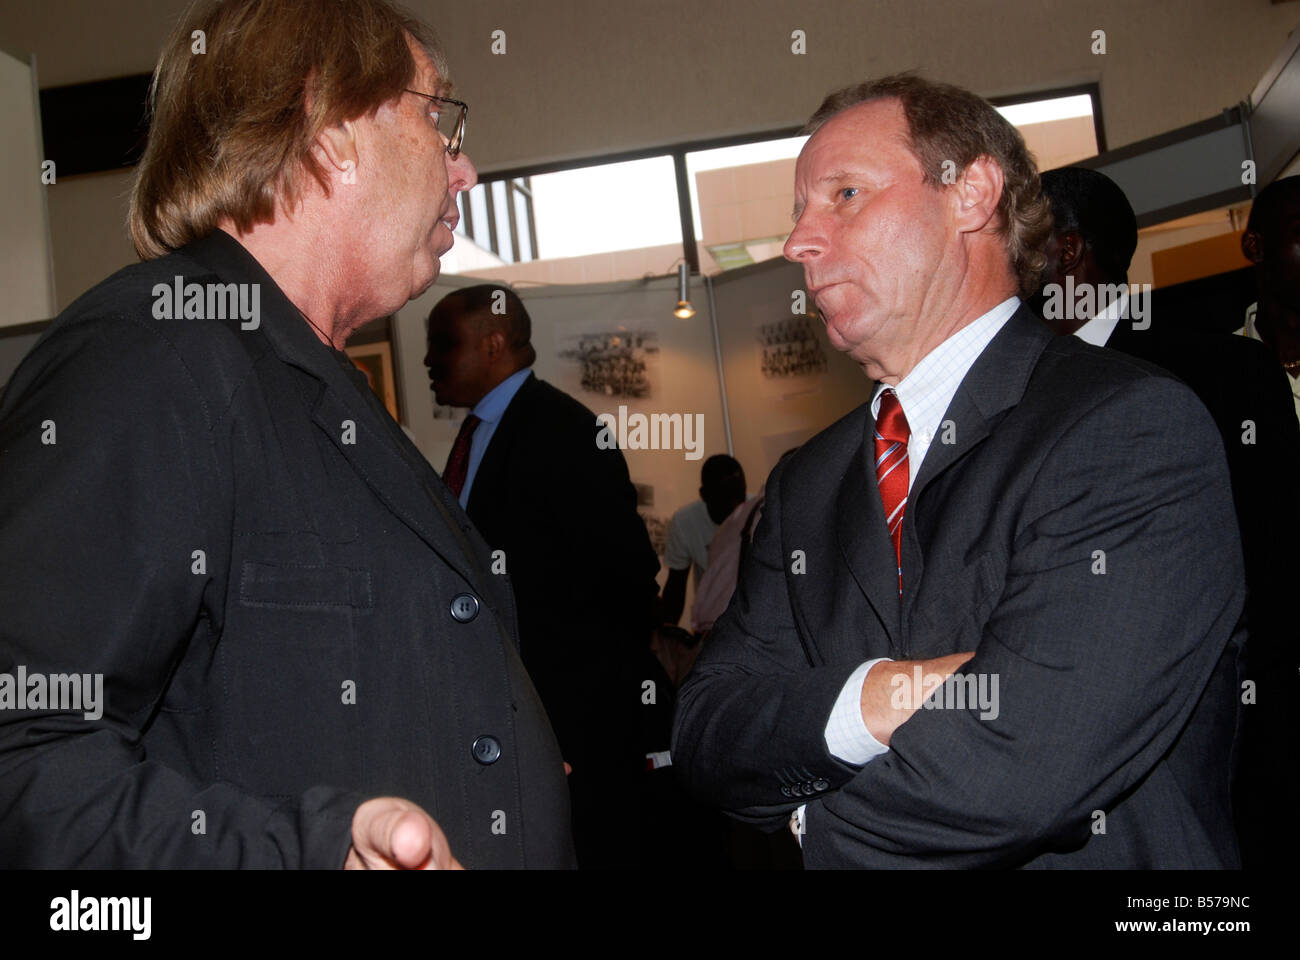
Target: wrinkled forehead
(866,133)
(427,79)
(866,139)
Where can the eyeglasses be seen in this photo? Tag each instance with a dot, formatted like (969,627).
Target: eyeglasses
(450,122)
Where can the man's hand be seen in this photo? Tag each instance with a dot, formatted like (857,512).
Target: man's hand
(389,833)
(891,694)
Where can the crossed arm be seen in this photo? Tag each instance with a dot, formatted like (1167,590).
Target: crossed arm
(1098,674)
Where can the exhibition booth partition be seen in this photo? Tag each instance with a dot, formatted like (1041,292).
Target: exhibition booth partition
(750,374)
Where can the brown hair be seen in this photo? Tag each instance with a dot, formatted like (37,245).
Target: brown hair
(232,127)
(948,123)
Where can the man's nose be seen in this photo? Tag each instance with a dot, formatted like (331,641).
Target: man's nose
(461,174)
(805,242)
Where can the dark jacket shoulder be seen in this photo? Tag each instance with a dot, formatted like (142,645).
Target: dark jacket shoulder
(117,325)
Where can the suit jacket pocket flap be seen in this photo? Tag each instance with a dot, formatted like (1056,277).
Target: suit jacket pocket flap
(264,584)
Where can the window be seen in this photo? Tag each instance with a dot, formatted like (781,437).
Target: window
(623,218)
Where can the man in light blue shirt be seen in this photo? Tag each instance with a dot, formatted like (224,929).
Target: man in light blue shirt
(560,513)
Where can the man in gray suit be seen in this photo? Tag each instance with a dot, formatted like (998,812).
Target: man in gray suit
(1050,519)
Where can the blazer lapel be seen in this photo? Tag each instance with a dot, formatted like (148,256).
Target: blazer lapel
(406,487)
(401,478)
(863,535)
(994,384)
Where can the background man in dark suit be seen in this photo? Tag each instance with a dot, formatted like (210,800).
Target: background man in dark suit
(1271,241)
(306,662)
(1094,236)
(529,472)
(1056,515)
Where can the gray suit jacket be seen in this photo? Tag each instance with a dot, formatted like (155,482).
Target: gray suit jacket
(1116,708)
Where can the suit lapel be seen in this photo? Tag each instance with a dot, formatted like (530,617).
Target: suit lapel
(408,489)
(994,384)
(863,536)
(402,479)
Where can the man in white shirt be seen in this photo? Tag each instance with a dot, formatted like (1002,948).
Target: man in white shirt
(1008,503)
(691,530)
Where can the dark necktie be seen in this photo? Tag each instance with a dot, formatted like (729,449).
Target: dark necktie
(892,469)
(453,475)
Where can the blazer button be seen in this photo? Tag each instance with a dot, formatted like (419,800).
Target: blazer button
(785,792)
(486,750)
(820,785)
(464,607)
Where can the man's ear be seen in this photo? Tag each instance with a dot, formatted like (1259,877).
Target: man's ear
(1070,250)
(338,145)
(1252,245)
(494,344)
(978,192)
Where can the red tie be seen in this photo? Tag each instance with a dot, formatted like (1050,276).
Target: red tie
(892,469)
(453,475)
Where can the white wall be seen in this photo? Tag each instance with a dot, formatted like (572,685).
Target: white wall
(769,415)
(584,77)
(25,263)
(591,77)
(88,227)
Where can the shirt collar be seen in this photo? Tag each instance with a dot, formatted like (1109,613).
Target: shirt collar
(1099,329)
(494,403)
(926,391)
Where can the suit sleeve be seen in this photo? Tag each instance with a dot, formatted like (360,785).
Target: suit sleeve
(752,714)
(112,477)
(1124,583)
(1263,446)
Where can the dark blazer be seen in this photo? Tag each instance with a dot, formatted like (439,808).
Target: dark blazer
(1117,689)
(1242,384)
(307,659)
(563,510)
(578,554)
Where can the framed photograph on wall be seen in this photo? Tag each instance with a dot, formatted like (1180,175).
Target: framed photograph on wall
(375,360)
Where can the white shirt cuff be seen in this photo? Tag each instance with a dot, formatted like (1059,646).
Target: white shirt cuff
(847,736)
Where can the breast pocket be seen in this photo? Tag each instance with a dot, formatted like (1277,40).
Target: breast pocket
(293,697)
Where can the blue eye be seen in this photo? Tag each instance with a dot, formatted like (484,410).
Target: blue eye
(848,193)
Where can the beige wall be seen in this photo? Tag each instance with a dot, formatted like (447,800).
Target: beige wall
(1176,233)
(26,274)
(589,77)
(88,230)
